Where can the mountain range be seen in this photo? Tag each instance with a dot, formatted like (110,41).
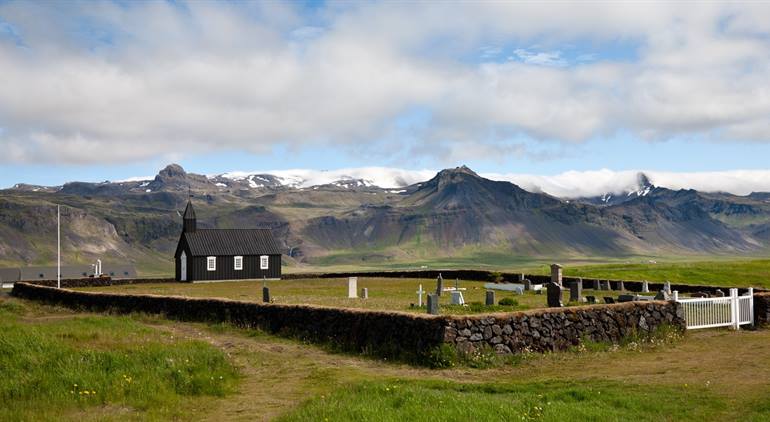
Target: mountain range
(455,215)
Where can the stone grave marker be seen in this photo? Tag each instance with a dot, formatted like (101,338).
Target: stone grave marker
(433,304)
(490,298)
(597,284)
(662,295)
(591,299)
(719,293)
(457,298)
(554,295)
(626,298)
(667,287)
(645,287)
(352,287)
(520,278)
(439,284)
(621,286)
(527,284)
(556,274)
(609,300)
(266,294)
(365,293)
(576,291)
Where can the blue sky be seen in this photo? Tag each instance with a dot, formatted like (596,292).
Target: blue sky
(105,91)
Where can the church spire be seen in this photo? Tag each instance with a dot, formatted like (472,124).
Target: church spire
(188,218)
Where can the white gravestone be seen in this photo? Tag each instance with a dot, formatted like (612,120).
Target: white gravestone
(457,298)
(352,287)
(419,296)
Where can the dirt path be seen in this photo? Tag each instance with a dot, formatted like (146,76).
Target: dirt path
(280,373)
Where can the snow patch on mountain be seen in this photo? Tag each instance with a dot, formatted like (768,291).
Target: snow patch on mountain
(383,177)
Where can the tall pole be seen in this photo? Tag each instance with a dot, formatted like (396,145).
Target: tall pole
(58,246)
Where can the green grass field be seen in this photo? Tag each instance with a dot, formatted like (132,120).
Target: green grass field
(54,364)
(47,350)
(391,294)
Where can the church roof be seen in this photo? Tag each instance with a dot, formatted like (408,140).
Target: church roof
(205,242)
(189,212)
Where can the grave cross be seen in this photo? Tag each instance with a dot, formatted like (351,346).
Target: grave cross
(419,296)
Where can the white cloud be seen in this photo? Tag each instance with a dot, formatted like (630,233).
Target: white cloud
(571,184)
(162,79)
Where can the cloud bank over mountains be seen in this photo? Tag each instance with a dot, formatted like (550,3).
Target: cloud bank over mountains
(571,184)
(139,80)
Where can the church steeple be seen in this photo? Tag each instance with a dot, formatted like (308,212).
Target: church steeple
(188,218)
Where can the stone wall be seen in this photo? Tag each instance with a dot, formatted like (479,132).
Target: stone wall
(559,328)
(388,334)
(391,334)
(762,308)
(98,282)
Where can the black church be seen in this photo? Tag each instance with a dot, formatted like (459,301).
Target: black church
(225,254)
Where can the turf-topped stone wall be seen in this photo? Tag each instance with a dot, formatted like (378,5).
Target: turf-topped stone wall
(98,282)
(559,328)
(762,308)
(391,334)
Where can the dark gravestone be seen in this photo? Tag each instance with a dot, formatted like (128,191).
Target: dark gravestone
(554,295)
(719,293)
(490,298)
(591,299)
(597,284)
(576,291)
(266,294)
(626,298)
(527,284)
(556,274)
(621,286)
(433,304)
(608,299)
(699,294)
(662,295)
(439,285)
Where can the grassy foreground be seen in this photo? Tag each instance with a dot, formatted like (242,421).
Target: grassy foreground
(69,366)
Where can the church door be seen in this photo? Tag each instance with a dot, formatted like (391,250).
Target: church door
(183,267)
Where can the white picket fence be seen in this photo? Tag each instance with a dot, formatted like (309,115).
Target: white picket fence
(708,312)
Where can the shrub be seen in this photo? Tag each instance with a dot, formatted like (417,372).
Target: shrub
(508,301)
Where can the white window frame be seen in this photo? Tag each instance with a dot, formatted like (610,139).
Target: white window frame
(211,263)
(238,263)
(264,262)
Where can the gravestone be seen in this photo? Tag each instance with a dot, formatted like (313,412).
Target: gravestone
(609,300)
(719,293)
(457,298)
(591,299)
(576,291)
(527,284)
(554,295)
(365,293)
(645,287)
(433,304)
(621,286)
(626,298)
(597,284)
(439,284)
(700,294)
(419,296)
(663,295)
(605,285)
(556,274)
(352,287)
(520,278)
(490,298)
(266,294)
(667,287)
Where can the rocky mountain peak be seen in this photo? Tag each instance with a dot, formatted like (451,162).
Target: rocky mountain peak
(172,171)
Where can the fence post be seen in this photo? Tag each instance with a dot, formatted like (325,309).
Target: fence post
(734,311)
(751,304)
(676,295)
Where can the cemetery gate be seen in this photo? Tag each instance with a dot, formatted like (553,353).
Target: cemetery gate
(708,312)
